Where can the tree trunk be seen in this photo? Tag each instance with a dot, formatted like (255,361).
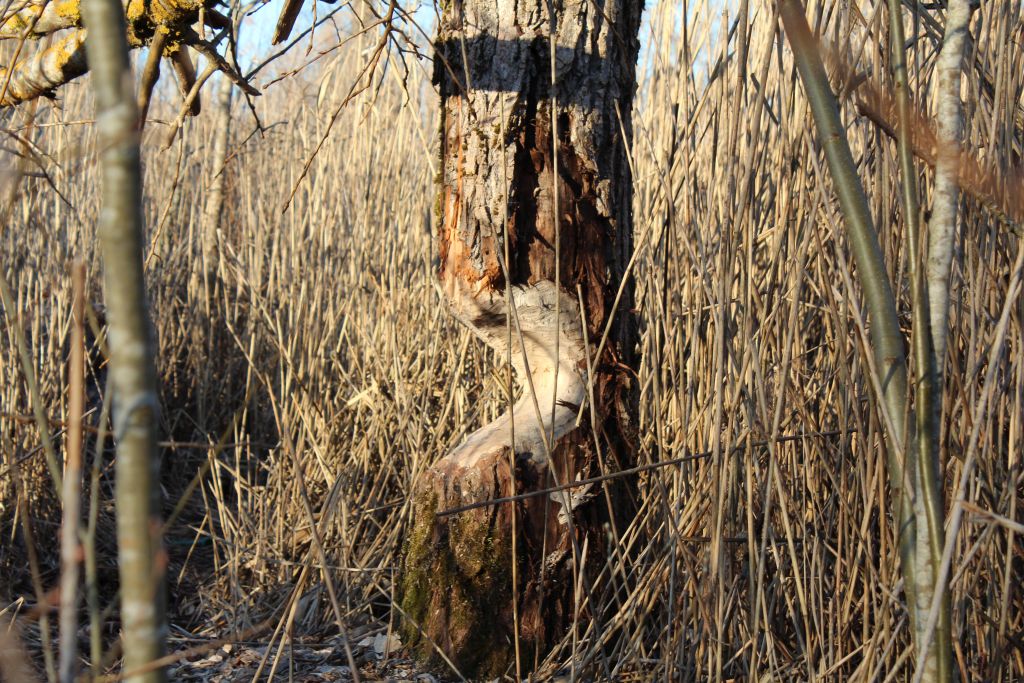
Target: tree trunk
(132,366)
(500,244)
(942,226)
(207,265)
(215,197)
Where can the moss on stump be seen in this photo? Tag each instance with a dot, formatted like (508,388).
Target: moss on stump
(456,586)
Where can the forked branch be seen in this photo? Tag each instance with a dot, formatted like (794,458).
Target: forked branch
(164,26)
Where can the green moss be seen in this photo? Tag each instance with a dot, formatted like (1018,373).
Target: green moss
(438,216)
(456,585)
(415,598)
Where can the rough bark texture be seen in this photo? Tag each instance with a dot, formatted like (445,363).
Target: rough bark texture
(494,70)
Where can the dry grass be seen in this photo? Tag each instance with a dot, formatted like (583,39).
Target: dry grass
(316,353)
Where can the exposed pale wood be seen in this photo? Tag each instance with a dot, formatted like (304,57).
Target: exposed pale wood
(494,69)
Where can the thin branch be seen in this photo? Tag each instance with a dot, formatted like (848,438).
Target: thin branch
(185,71)
(132,351)
(206,49)
(151,74)
(923,441)
(579,483)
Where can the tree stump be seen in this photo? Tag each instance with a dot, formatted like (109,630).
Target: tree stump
(515,154)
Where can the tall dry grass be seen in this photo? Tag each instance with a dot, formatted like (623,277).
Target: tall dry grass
(311,361)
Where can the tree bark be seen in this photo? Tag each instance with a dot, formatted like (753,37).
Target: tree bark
(542,293)
(942,226)
(132,365)
(215,197)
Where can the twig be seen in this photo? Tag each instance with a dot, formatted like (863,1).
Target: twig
(178,656)
(186,105)
(634,470)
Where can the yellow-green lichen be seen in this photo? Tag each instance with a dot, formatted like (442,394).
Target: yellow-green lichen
(68,9)
(57,59)
(173,12)
(135,10)
(17,23)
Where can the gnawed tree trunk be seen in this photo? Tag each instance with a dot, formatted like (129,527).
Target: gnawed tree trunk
(497,195)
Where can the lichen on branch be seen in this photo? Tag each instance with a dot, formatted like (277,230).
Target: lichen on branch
(48,68)
(44,71)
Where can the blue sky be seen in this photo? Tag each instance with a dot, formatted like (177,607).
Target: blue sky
(259,27)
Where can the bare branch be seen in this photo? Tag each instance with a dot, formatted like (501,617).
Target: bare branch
(151,74)
(185,72)
(289,13)
(39,18)
(190,98)
(206,49)
(46,70)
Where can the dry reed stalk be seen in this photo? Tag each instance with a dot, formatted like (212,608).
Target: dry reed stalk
(326,309)
(70,548)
